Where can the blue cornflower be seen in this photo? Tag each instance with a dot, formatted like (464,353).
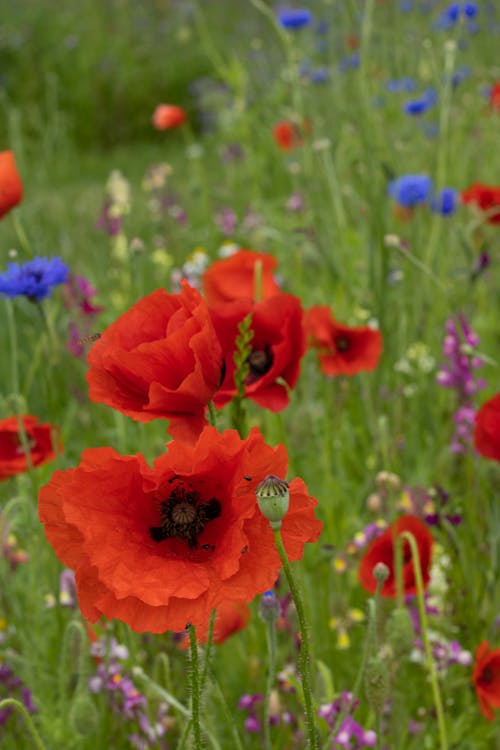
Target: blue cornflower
(33,279)
(452,13)
(294,18)
(395,85)
(410,189)
(421,105)
(445,201)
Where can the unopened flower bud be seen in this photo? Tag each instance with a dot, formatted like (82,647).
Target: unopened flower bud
(388,481)
(374,502)
(381,572)
(399,632)
(376,684)
(83,714)
(269,608)
(273,498)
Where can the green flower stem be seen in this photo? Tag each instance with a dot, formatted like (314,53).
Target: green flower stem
(20,233)
(271,670)
(11,326)
(305,657)
(18,706)
(398,570)
(195,688)
(212,416)
(431,667)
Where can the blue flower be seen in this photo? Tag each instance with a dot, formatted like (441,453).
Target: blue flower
(410,189)
(452,13)
(33,279)
(395,85)
(294,18)
(445,202)
(421,105)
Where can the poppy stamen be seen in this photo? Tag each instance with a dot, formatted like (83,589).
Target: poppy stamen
(342,343)
(260,361)
(184,516)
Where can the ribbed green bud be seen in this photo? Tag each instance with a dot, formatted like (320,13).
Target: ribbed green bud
(399,632)
(83,714)
(381,572)
(376,684)
(273,498)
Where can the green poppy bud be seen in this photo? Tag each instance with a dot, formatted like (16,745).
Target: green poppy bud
(376,680)
(83,714)
(399,632)
(273,498)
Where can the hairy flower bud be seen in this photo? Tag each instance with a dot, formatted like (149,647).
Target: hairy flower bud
(381,572)
(273,498)
(83,714)
(269,608)
(399,632)
(376,680)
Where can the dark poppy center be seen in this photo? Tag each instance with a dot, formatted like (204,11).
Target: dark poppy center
(260,361)
(486,676)
(342,343)
(184,515)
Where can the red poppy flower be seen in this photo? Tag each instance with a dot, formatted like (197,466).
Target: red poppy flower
(382,550)
(278,345)
(168,116)
(230,618)
(342,350)
(495,96)
(159,548)
(160,359)
(234,278)
(486,679)
(40,437)
(487,429)
(485,197)
(288,135)
(11,187)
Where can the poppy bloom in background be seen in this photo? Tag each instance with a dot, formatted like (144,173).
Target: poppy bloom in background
(160,359)
(495,96)
(168,117)
(288,135)
(487,429)
(342,350)
(40,441)
(486,198)
(234,278)
(230,618)
(277,346)
(159,548)
(11,186)
(486,679)
(381,550)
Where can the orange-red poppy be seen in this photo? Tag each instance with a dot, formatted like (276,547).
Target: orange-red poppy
(11,186)
(495,96)
(230,618)
(288,135)
(234,278)
(382,550)
(342,350)
(168,116)
(162,547)
(277,347)
(486,679)
(160,359)
(42,439)
(486,198)
(487,429)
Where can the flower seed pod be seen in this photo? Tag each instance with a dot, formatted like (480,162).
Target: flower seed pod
(376,680)
(83,714)
(399,632)
(273,498)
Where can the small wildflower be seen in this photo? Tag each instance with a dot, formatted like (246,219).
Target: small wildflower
(33,279)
